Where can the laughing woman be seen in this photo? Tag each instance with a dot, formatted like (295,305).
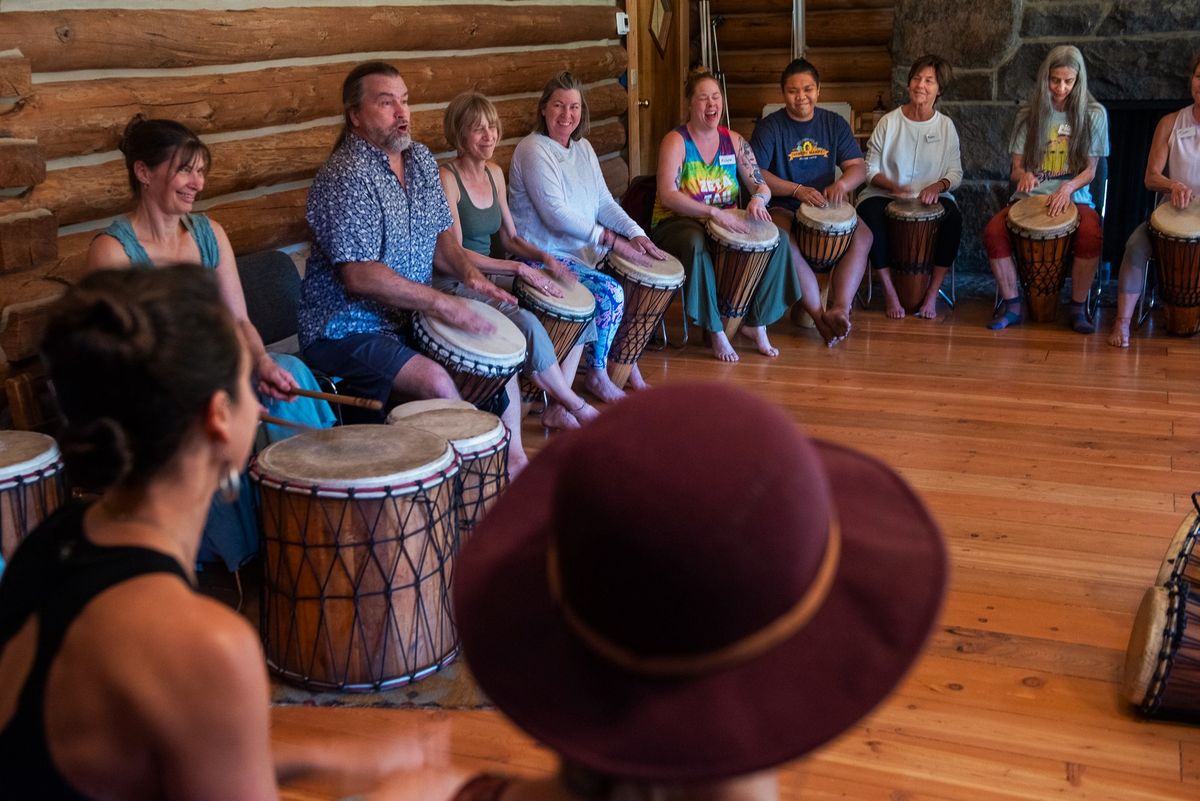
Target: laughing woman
(699,165)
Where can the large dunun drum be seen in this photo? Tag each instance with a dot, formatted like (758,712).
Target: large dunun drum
(1175,238)
(1041,245)
(360,531)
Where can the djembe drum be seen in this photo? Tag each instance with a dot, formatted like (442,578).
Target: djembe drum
(1162,663)
(480,364)
(563,318)
(32,485)
(359,527)
(1040,245)
(739,261)
(1181,561)
(1175,238)
(824,233)
(912,229)
(648,292)
(481,442)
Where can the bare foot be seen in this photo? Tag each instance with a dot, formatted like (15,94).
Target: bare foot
(838,320)
(636,382)
(721,347)
(928,310)
(1119,338)
(585,412)
(757,334)
(599,384)
(555,417)
(517,461)
(824,326)
(892,305)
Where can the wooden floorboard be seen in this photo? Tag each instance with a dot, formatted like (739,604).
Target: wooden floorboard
(1059,469)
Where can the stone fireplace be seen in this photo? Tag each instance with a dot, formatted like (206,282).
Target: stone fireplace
(1137,54)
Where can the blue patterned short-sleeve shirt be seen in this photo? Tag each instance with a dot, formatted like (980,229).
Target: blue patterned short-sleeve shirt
(359,211)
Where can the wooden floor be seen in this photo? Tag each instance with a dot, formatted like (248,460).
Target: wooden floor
(1059,468)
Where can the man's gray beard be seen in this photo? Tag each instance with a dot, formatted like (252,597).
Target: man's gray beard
(397,143)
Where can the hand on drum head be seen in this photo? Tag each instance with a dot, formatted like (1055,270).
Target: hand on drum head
(1028,182)
(559,270)
(806,194)
(273,380)
(929,195)
(1181,195)
(652,250)
(836,194)
(1058,202)
(729,222)
(758,209)
(483,286)
(457,313)
(538,279)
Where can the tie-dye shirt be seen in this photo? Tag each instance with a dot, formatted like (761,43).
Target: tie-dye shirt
(712,183)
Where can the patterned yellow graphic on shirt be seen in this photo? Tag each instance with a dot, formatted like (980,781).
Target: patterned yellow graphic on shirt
(808,149)
(1055,163)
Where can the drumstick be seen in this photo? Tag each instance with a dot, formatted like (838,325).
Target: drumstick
(345,400)
(279,421)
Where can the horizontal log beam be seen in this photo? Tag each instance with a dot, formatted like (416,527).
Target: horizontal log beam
(850,28)
(748,101)
(16,75)
(731,7)
(27,239)
(277,219)
(836,65)
(79,194)
(78,117)
(23,319)
(21,163)
(616,175)
(83,39)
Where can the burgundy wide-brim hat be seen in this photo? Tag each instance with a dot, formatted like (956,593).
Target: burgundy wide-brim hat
(689,588)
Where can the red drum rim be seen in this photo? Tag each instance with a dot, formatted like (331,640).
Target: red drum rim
(309,463)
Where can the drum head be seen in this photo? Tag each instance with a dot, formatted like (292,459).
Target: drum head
(665,274)
(1029,216)
(761,236)
(911,209)
(23,452)
(1177,223)
(416,407)
(358,457)
(504,346)
(468,430)
(577,301)
(834,219)
(1145,644)
(1174,550)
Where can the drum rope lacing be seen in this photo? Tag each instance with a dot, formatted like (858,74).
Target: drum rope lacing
(734,653)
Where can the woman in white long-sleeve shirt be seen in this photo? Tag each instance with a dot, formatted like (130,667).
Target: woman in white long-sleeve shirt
(914,152)
(561,204)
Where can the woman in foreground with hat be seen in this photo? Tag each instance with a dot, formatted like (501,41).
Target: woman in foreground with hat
(671,639)
(117,679)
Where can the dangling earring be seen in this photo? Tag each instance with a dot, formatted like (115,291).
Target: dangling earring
(229,485)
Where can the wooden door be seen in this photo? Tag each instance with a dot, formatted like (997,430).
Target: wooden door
(658,65)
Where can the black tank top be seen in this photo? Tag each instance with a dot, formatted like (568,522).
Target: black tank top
(54,574)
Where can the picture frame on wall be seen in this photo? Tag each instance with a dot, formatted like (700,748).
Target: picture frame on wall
(660,22)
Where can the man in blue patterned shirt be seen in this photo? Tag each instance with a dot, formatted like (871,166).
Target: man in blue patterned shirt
(380,222)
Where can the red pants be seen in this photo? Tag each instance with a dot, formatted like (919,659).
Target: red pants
(1088,238)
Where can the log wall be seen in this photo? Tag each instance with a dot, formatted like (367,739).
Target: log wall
(263,87)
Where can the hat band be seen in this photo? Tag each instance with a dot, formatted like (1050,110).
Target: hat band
(736,652)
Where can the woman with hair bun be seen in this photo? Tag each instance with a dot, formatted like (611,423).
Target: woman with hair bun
(118,680)
(167,165)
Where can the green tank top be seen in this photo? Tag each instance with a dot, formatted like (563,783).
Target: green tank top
(478,224)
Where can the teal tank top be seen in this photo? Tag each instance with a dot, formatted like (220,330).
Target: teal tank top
(478,224)
(196,224)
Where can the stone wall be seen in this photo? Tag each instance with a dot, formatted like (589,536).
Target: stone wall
(1134,49)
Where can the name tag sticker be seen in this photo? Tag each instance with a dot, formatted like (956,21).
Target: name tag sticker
(1064,130)
(932,137)
(1186,133)
(728,158)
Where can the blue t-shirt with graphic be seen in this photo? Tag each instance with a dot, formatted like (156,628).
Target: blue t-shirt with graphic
(803,152)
